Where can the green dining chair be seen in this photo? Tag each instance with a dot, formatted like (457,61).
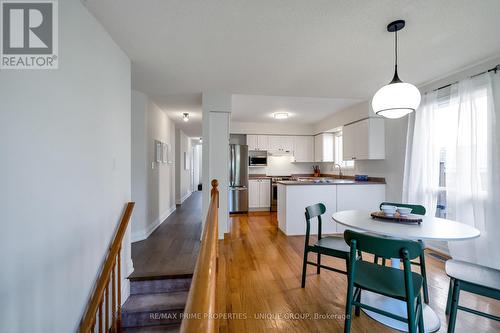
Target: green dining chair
(403,285)
(419,210)
(333,246)
(475,279)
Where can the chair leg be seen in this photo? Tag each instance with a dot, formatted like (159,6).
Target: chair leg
(348,308)
(304,269)
(357,308)
(319,263)
(421,328)
(454,306)
(448,300)
(424,276)
(410,308)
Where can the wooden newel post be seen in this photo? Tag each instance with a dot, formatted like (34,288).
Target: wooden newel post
(215,190)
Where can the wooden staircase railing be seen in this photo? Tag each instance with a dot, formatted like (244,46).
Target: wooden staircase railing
(201,303)
(110,276)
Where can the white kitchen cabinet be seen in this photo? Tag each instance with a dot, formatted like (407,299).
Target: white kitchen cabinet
(259,193)
(303,148)
(364,140)
(252,142)
(292,199)
(323,147)
(258,142)
(253,193)
(265,193)
(281,143)
(364,197)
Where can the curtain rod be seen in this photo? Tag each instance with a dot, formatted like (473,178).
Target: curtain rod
(494,69)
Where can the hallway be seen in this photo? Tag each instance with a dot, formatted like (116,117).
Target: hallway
(171,250)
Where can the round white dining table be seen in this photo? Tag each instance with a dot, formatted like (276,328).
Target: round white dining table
(431,228)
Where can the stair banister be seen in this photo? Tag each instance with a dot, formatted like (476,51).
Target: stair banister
(201,306)
(98,306)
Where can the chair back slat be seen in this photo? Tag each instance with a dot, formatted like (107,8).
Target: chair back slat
(315,210)
(383,246)
(415,209)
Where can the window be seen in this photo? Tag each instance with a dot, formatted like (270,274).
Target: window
(462,144)
(339,154)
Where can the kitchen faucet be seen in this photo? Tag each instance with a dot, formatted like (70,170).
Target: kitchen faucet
(340,169)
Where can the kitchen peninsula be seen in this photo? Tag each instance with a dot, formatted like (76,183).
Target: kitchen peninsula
(336,194)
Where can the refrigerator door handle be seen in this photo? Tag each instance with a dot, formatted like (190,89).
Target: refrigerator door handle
(231,165)
(240,188)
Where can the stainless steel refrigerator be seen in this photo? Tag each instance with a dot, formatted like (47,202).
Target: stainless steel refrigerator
(238,178)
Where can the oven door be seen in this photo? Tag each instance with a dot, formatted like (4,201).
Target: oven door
(274,197)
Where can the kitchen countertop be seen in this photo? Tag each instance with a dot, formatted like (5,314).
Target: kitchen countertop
(306,179)
(255,176)
(332,182)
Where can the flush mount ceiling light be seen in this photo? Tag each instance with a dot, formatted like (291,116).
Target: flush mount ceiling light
(398,98)
(185,116)
(280,115)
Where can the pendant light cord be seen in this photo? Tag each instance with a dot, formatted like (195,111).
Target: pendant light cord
(396,78)
(396,48)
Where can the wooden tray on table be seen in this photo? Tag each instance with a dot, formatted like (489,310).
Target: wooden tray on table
(410,219)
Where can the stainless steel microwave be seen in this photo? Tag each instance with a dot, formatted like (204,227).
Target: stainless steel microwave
(257,158)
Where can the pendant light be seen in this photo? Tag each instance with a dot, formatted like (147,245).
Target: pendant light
(397,99)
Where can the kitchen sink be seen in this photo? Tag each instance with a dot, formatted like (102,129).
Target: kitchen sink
(343,181)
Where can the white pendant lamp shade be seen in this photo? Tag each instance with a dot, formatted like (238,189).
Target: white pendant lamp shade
(396,100)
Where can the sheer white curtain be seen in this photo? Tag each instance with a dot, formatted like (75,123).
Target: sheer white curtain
(454,158)
(421,179)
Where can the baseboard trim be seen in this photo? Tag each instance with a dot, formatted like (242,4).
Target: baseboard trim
(139,236)
(439,251)
(187,195)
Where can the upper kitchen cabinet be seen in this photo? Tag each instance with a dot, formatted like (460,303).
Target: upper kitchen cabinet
(364,140)
(323,147)
(258,142)
(303,148)
(281,143)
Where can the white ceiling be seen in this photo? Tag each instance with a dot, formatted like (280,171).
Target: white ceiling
(176,105)
(301,110)
(321,48)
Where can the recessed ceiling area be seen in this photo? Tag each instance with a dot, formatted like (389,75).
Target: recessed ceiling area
(333,49)
(301,110)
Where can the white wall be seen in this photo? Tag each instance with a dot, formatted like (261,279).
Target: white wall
(64,175)
(153,184)
(182,176)
(346,116)
(216,113)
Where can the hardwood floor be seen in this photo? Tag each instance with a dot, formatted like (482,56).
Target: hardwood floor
(171,250)
(260,269)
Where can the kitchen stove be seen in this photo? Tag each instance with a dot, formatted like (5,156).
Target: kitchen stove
(274,190)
